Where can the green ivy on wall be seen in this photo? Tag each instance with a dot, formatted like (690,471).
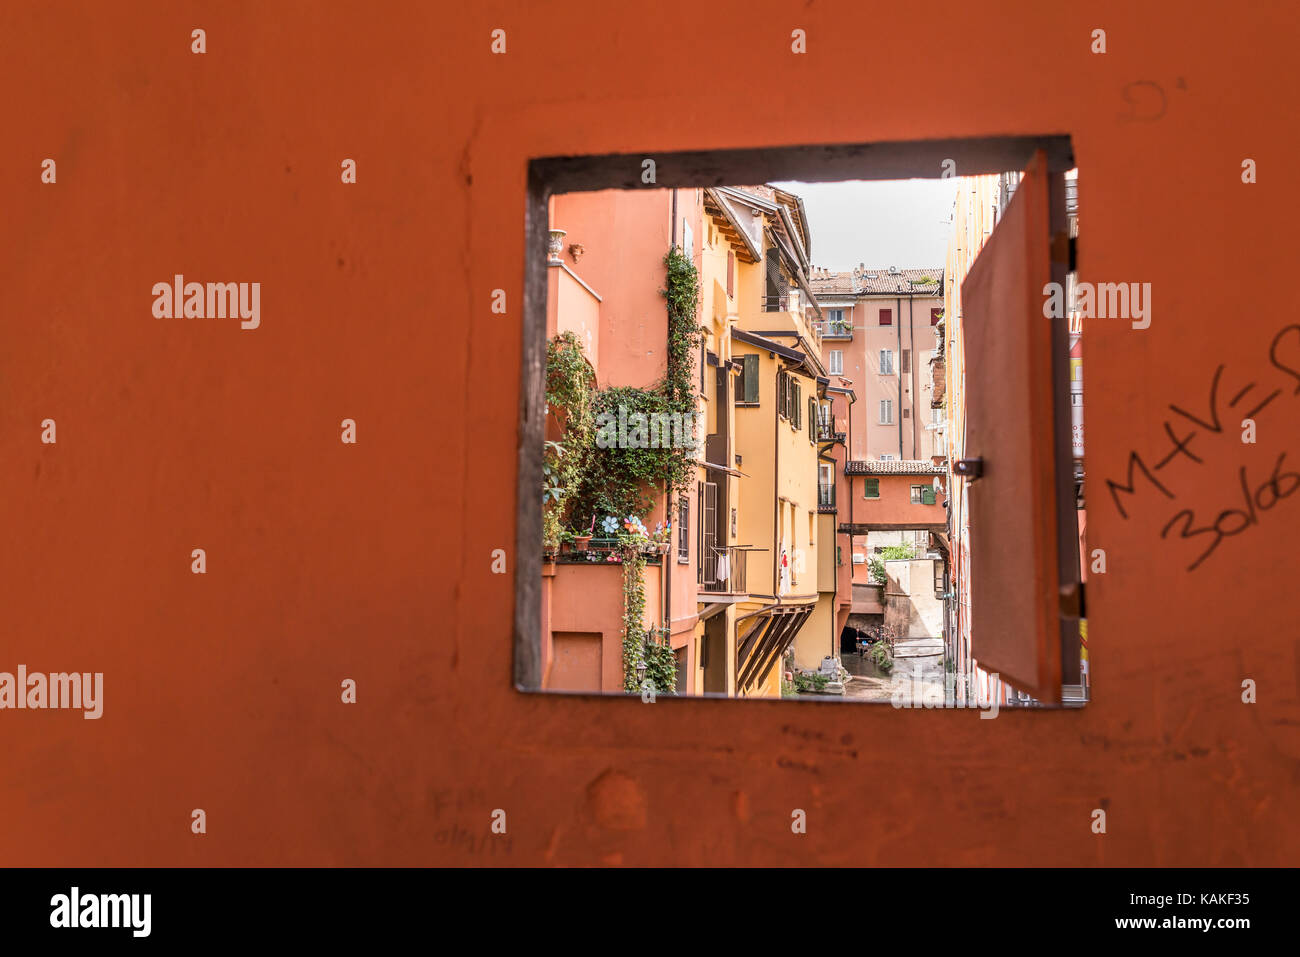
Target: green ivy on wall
(588,477)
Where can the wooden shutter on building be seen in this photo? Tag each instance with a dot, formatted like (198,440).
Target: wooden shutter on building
(871,488)
(683,530)
(731,274)
(886,317)
(750,379)
(709,526)
(812,418)
(774,290)
(1018,626)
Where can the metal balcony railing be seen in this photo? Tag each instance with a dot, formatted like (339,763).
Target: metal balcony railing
(835,328)
(724,570)
(783,302)
(825,495)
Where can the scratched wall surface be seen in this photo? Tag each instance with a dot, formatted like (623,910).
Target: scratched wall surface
(372,561)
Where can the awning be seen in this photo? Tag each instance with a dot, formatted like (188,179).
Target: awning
(721,468)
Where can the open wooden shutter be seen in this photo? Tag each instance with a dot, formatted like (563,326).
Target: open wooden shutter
(750,377)
(1017,627)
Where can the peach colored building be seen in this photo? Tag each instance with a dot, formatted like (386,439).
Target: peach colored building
(606,274)
(878,334)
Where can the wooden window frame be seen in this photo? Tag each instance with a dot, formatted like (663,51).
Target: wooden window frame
(692,169)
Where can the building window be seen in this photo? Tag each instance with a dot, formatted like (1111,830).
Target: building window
(731,275)
(837,323)
(825,486)
(916,494)
(835,362)
(683,530)
(886,412)
(747,389)
(922,494)
(905,365)
(886,458)
(886,361)
(886,317)
(935,315)
(871,488)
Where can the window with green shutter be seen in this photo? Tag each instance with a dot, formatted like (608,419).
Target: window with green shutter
(812,420)
(748,390)
(871,488)
(927,495)
(796,409)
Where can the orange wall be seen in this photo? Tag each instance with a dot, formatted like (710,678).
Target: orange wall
(895,503)
(373,561)
(589,599)
(625,235)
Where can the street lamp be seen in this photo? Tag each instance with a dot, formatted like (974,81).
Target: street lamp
(640,671)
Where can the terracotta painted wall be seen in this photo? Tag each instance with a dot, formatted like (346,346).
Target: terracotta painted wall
(625,235)
(373,561)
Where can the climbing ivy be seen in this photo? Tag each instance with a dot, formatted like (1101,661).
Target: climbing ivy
(586,478)
(641,644)
(682,291)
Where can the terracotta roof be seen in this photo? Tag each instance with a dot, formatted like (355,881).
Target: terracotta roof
(893,467)
(826,284)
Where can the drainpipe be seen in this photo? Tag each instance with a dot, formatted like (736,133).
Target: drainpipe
(848,454)
(776,482)
(898,328)
(911,343)
(665,581)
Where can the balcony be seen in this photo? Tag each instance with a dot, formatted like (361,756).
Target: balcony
(602,551)
(783,302)
(825,496)
(834,328)
(723,571)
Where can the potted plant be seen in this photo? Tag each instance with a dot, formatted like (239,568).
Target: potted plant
(581,541)
(636,537)
(663,536)
(550,535)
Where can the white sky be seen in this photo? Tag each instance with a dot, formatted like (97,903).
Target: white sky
(902,223)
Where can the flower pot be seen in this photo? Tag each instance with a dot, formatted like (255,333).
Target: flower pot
(581,542)
(555,246)
(548,554)
(662,548)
